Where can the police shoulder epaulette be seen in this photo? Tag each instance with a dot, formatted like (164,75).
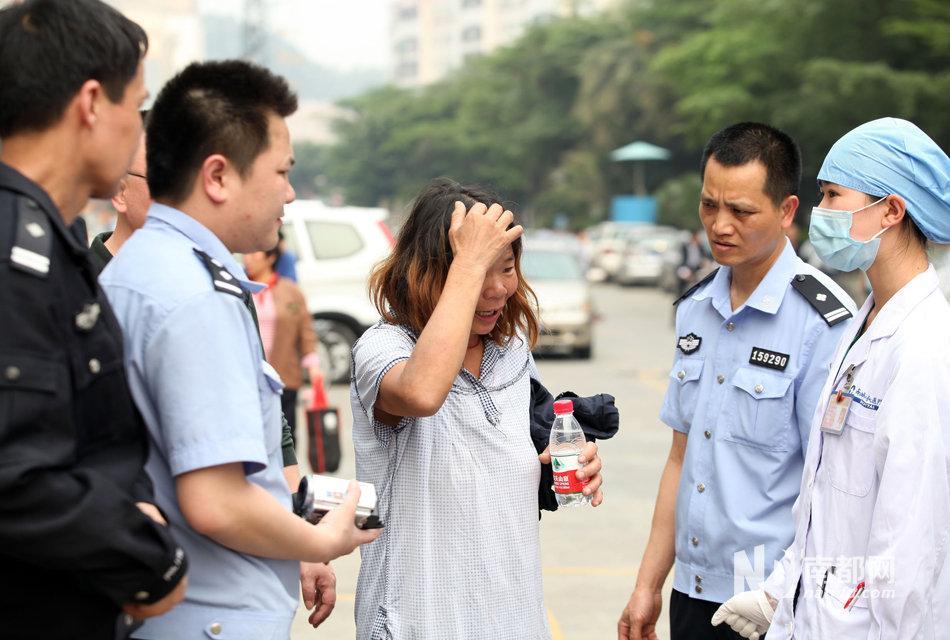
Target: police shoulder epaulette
(34,239)
(818,295)
(689,292)
(222,280)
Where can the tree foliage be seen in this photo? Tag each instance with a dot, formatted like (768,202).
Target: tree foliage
(536,120)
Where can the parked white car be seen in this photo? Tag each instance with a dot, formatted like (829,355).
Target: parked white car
(336,247)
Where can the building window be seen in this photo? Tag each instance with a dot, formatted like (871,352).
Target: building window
(407,13)
(472,34)
(407,69)
(408,45)
(466,4)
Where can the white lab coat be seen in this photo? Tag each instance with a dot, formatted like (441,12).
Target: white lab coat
(875,500)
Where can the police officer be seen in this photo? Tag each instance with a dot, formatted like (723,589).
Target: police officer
(82,546)
(753,343)
(131,202)
(870,557)
(218,160)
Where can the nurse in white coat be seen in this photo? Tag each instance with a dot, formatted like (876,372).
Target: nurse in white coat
(872,521)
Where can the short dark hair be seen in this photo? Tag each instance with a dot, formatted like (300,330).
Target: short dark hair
(211,107)
(49,48)
(747,142)
(406,285)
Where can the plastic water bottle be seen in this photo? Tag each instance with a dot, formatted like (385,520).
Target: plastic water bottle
(567,442)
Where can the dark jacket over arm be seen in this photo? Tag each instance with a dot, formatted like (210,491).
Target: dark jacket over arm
(597,415)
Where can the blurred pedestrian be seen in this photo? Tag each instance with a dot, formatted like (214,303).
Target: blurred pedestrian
(290,342)
(218,157)
(441,394)
(691,263)
(869,559)
(753,343)
(84,550)
(286,265)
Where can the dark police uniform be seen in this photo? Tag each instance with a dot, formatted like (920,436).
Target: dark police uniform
(73,546)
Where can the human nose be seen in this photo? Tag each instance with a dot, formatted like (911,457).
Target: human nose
(722,223)
(493,287)
(291,194)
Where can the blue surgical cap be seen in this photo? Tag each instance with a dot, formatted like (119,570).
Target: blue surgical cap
(888,156)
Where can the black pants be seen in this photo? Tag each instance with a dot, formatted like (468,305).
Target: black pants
(288,404)
(690,620)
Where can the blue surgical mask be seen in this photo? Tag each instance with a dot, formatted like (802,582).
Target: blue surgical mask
(830,235)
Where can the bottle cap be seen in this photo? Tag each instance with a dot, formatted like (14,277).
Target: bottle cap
(563,406)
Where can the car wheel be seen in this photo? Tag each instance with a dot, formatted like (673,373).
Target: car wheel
(583,352)
(336,342)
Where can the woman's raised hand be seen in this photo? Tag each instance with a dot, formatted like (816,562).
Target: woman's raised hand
(479,235)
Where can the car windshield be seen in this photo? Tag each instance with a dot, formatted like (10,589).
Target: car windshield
(549,265)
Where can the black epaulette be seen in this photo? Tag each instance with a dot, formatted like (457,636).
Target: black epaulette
(696,286)
(34,239)
(222,280)
(818,296)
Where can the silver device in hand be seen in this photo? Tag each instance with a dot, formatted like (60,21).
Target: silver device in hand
(318,494)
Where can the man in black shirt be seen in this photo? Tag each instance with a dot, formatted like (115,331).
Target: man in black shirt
(83,549)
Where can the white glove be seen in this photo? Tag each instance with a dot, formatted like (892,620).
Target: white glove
(748,613)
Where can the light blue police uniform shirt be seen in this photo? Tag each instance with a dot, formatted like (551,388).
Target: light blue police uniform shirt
(747,424)
(195,367)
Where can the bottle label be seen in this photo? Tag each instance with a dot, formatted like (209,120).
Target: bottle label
(565,480)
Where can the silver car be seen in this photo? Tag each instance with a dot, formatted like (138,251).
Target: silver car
(564,299)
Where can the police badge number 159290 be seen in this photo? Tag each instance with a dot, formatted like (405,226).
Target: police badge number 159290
(838,405)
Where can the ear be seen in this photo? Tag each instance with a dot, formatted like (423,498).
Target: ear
(118,200)
(217,177)
(88,99)
(789,207)
(896,208)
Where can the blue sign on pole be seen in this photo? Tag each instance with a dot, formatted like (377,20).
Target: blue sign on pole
(633,209)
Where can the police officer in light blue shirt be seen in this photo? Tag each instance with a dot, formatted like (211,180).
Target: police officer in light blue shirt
(218,155)
(754,340)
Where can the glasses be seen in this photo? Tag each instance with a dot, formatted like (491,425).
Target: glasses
(137,175)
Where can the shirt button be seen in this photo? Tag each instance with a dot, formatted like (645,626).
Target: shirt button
(95,366)
(701,488)
(759,388)
(695,542)
(801,554)
(216,628)
(811,481)
(12,373)
(141,595)
(730,326)
(699,589)
(699,580)
(720,378)
(708,434)
(681,374)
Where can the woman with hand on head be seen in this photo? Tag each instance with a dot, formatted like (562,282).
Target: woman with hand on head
(440,396)
(869,559)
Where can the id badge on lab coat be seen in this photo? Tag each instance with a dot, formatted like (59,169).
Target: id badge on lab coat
(836,413)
